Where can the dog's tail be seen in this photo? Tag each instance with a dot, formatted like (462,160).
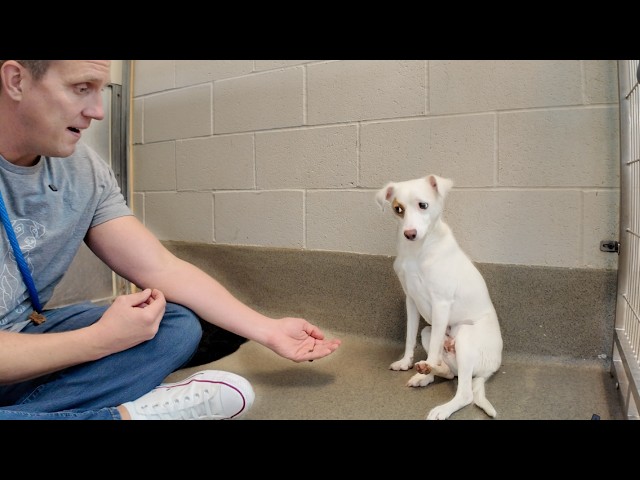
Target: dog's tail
(479,397)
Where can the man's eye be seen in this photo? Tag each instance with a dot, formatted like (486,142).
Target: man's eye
(423,205)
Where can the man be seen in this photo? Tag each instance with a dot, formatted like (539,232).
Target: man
(103,362)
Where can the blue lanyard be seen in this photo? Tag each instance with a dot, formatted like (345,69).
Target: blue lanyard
(37,317)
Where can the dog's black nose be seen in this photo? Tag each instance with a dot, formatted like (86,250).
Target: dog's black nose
(410,234)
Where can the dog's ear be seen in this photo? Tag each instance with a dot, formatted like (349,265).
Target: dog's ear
(441,185)
(384,195)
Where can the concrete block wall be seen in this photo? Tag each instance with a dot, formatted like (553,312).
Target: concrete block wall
(290,153)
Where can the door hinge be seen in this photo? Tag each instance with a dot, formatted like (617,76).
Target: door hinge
(610,246)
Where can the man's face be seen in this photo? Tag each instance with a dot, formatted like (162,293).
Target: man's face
(56,109)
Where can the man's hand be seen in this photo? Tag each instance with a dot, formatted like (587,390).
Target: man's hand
(132,319)
(299,340)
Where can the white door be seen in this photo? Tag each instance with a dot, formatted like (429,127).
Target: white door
(626,346)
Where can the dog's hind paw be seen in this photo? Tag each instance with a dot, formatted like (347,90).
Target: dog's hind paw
(420,380)
(422,367)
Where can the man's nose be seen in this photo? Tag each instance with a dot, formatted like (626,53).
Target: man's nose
(96,108)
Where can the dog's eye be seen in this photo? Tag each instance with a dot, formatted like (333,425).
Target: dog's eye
(423,205)
(399,210)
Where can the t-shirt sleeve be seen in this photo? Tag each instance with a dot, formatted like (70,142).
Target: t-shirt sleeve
(111,202)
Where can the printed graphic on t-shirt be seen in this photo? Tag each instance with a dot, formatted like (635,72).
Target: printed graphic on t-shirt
(11,284)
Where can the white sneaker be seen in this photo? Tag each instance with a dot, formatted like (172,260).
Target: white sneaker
(206,395)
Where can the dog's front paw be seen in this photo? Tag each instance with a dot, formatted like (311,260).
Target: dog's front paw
(439,413)
(402,364)
(420,380)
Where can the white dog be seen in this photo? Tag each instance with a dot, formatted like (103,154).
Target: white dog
(443,286)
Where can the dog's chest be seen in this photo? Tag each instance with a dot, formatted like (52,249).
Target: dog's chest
(412,277)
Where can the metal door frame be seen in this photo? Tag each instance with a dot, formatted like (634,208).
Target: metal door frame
(120,150)
(115,150)
(120,108)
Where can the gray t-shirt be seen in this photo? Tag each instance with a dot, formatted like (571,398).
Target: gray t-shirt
(51,206)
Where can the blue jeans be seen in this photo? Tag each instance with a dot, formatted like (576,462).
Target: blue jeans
(93,390)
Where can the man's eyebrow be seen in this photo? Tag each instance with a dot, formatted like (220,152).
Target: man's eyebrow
(93,79)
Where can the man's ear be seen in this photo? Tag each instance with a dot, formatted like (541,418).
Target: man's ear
(11,75)
(441,185)
(384,195)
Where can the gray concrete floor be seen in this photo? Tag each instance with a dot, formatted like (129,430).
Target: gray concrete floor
(355,383)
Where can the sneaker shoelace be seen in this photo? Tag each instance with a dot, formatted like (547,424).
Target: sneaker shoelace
(186,406)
